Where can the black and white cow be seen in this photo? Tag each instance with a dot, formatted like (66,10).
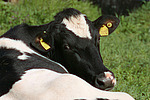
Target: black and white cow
(27,75)
(72,40)
(119,7)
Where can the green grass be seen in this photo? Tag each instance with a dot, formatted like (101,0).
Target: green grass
(37,12)
(125,52)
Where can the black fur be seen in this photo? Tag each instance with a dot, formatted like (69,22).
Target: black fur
(11,68)
(101,99)
(95,99)
(80,56)
(120,7)
(66,13)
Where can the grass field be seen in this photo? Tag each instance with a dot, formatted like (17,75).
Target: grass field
(125,52)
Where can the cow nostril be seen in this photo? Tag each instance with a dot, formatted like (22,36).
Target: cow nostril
(104,82)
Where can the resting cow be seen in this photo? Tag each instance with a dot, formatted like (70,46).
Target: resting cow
(27,75)
(72,40)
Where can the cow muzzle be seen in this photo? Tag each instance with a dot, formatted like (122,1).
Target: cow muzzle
(105,81)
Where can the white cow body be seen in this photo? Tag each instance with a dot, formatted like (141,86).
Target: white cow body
(43,84)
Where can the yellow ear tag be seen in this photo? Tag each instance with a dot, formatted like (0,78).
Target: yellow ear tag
(109,24)
(45,45)
(103,31)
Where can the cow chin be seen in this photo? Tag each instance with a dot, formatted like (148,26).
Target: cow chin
(100,82)
(103,81)
(102,86)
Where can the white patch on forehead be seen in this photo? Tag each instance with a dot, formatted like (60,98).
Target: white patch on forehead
(78,25)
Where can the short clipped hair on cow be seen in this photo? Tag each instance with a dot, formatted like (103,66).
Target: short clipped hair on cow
(73,41)
(27,75)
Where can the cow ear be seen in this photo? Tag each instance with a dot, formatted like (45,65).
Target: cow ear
(42,42)
(106,24)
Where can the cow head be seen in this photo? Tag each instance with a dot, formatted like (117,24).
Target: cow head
(73,40)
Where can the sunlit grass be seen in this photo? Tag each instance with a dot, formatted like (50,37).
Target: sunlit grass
(125,52)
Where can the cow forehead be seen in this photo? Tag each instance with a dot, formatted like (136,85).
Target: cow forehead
(78,25)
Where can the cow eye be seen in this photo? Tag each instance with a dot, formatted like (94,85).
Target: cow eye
(66,46)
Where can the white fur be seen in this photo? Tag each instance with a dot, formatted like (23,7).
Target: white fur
(43,84)
(15,44)
(22,48)
(23,57)
(78,26)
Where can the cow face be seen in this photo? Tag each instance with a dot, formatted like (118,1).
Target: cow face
(73,41)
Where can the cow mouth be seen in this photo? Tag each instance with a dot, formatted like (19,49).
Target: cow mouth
(104,83)
(101,86)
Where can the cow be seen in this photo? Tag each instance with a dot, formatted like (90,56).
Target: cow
(28,75)
(12,1)
(72,40)
(119,7)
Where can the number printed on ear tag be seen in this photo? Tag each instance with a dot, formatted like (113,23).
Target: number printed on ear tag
(44,45)
(103,31)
